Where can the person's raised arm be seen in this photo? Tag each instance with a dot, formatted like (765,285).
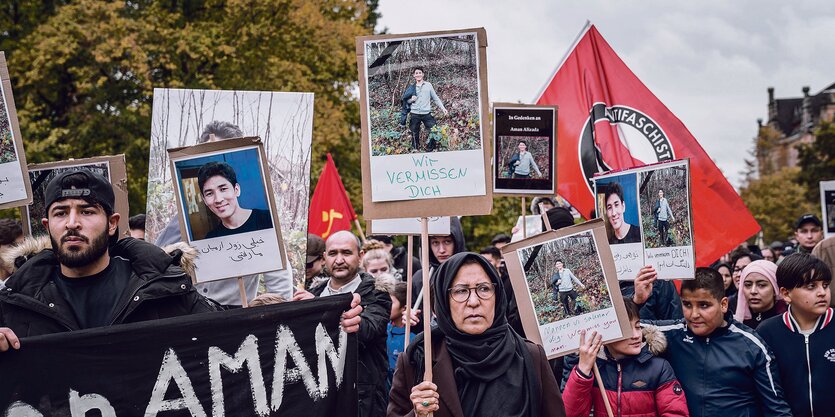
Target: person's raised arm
(643,284)
(577,396)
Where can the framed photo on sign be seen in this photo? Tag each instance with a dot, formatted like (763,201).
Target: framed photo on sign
(283,121)
(525,149)
(828,207)
(14,188)
(423,103)
(564,281)
(648,219)
(226,208)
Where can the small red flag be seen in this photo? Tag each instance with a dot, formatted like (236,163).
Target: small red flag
(608,119)
(330,207)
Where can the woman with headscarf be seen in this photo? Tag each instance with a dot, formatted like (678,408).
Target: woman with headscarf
(480,366)
(759,296)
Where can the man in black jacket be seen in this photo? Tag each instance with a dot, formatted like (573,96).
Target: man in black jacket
(343,257)
(87,279)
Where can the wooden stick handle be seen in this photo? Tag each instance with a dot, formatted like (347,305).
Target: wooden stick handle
(409,255)
(602,390)
(242,289)
(524,220)
(544,217)
(427,313)
(359,227)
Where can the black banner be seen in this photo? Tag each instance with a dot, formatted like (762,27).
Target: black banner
(289,359)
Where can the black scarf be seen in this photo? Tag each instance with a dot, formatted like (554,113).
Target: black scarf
(494,371)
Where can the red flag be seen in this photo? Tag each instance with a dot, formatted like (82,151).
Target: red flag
(330,207)
(611,120)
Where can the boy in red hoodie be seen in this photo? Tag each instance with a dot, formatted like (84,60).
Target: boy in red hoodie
(637,382)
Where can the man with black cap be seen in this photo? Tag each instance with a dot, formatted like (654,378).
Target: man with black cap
(808,231)
(87,279)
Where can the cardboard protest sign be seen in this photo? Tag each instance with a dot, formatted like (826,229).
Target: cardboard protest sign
(289,359)
(648,219)
(438,226)
(283,121)
(532,226)
(525,149)
(14,189)
(564,282)
(226,209)
(110,167)
(828,207)
(423,105)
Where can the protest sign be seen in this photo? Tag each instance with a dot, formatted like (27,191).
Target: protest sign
(423,102)
(564,282)
(828,207)
(283,121)
(110,167)
(438,226)
(531,226)
(14,189)
(648,219)
(287,359)
(525,149)
(226,210)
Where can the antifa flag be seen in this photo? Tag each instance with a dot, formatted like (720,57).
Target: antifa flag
(330,207)
(289,359)
(610,121)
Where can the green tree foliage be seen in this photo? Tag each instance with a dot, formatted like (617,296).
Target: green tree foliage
(817,161)
(83,73)
(776,200)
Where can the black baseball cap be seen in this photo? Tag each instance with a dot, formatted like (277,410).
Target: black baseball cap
(315,247)
(808,218)
(79,183)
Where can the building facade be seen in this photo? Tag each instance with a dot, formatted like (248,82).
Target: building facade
(791,122)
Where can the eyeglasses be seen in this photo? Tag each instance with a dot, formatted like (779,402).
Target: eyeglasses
(483,291)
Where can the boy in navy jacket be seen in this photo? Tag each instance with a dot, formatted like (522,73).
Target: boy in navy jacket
(802,338)
(725,368)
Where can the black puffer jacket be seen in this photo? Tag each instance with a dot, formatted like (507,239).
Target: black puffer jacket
(31,304)
(373,359)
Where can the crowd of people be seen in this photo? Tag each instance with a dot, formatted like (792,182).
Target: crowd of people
(749,335)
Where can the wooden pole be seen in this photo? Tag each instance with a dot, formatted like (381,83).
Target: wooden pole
(602,390)
(524,220)
(544,217)
(409,254)
(242,289)
(427,313)
(359,227)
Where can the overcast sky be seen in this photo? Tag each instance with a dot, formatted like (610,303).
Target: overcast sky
(710,62)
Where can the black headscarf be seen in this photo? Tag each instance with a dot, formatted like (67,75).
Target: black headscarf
(494,371)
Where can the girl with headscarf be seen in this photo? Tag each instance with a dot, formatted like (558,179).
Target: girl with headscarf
(480,366)
(759,296)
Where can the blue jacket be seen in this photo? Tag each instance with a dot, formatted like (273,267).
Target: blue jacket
(663,304)
(803,360)
(405,106)
(731,373)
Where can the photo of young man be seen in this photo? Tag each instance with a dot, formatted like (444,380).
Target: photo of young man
(220,190)
(622,232)
(663,218)
(522,163)
(419,104)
